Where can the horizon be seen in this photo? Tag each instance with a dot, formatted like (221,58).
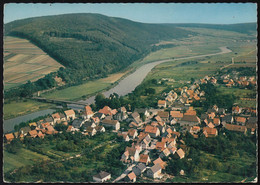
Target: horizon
(151,13)
(130,19)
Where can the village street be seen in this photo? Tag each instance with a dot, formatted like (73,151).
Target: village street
(129,169)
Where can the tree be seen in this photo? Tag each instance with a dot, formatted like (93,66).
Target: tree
(100,100)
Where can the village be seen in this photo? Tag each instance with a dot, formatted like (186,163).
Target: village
(154,133)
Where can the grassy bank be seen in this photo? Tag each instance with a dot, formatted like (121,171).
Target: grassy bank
(22,107)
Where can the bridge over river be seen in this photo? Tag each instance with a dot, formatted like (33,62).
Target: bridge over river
(59,101)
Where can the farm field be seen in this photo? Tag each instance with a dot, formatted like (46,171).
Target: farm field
(24,61)
(88,88)
(19,108)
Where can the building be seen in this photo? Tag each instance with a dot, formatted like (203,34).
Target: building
(210,132)
(161,103)
(139,169)
(236,128)
(144,158)
(131,177)
(9,137)
(102,177)
(111,123)
(189,120)
(88,112)
(155,171)
(70,114)
(152,131)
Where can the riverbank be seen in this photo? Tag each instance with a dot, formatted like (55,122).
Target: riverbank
(22,107)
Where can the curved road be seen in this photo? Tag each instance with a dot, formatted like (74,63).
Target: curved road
(129,83)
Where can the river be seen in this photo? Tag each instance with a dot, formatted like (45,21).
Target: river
(10,123)
(129,83)
(125,86)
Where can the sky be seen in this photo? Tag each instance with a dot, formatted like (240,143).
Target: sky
(212,13)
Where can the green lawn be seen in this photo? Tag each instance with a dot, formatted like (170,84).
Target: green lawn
(15,109)
(22,158)
(76,92)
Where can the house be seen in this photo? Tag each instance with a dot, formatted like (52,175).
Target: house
(125,156)
(111,123)
(40,135)
(62,117)
(210,132)
(165,153)
(50,130)
(227,119)
(25,130)
(100,129)
(33,124)
(236,128)
(88,112)
(180,153)
(236,110)
(189,120)
(152,131)
(161,103)
(70,114)
(102,177)
(120,116)
(143,111)
(122,109)
(88,124)
(158,118)
(154,171)
(211,125)
(216,121)
(135,117)
(106,110)
(163,115)
(49,120)
(9,137)
(139,169)
(240,120)
(194,129)
(132,133)
(133,124)
(32,133)
(176,115)
(160,146)
(173,150)
(71,128)
(144,158)
(133,154)
(77,123)
(91,131)
(190,112)
(131,177)
(99,115)
(124,136)
(55,117)
(160,162)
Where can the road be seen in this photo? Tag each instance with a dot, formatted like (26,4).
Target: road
(124,173)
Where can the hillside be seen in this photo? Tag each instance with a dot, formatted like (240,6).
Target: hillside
(92,43)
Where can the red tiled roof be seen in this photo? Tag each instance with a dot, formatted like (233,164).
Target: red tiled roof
(9,136)
(236,127)
(161,102)
(106,110)
(143,158)
(240,119)
(210,131)
(176,114)
(163,114)
(131,176)
(56,116)
(150,129)
(69,112)
(88,110)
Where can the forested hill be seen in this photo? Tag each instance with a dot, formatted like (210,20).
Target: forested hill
(92,44)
